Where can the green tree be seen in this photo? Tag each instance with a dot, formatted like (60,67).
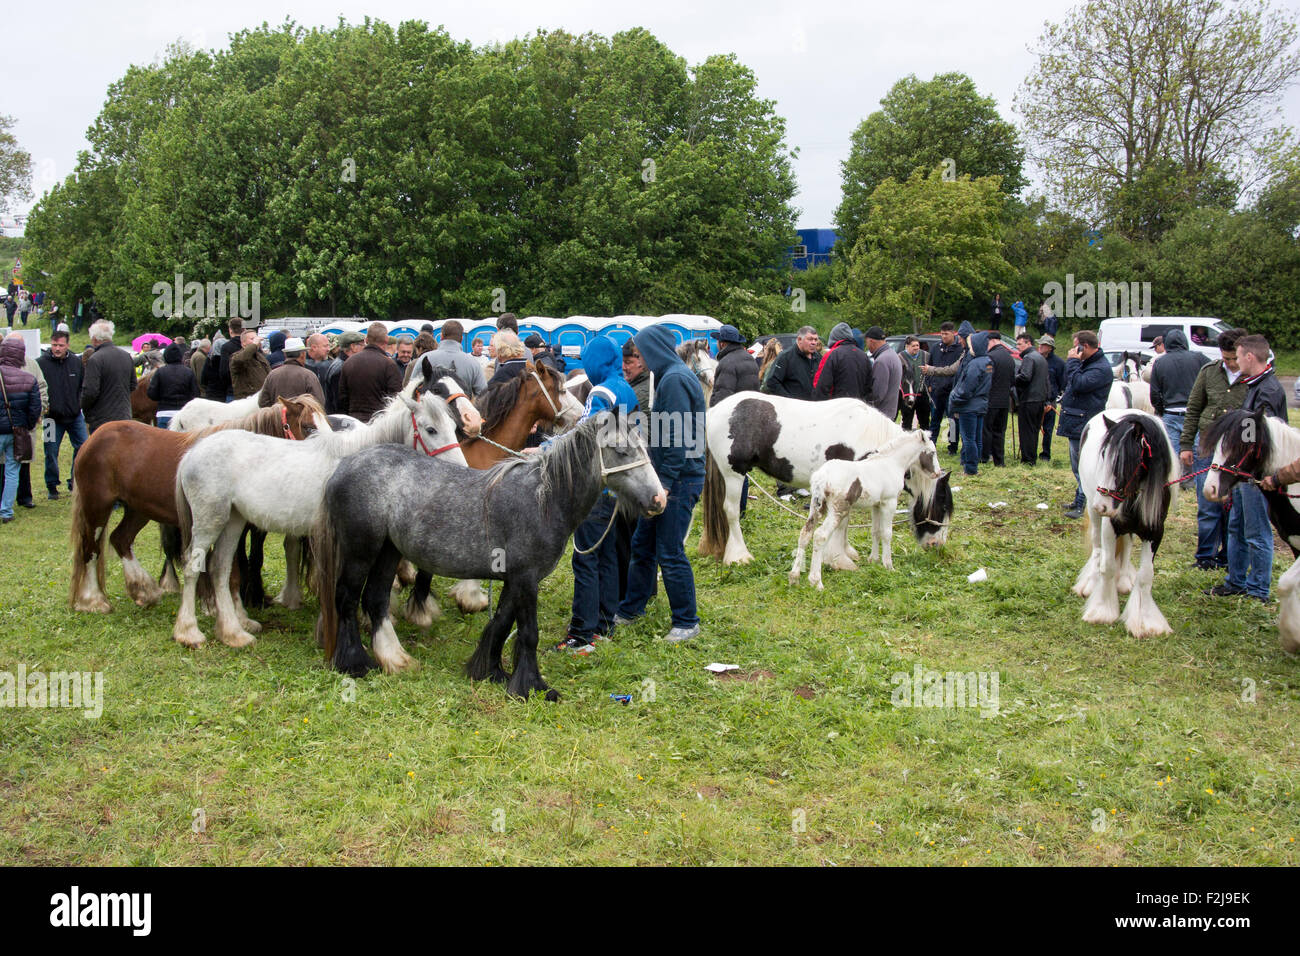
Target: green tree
(921,125)
(15,167)
(1121,85)
(925,236)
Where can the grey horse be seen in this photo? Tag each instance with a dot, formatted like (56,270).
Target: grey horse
(510,523)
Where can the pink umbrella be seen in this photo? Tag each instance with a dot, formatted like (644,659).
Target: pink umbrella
(154,337)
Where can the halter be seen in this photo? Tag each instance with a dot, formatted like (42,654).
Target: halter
(284,420)
(1144,467)
(418,442)
(604,472)
(555,409)
(1235,470)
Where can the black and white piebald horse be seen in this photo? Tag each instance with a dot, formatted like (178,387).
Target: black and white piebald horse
(1126,463)
(386,503)
(1246,446)
(789,439)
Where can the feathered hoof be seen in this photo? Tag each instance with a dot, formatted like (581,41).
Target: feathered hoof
(96,605)
(405,575)
(354,663)
(145,596)
(852,552)
(291,603)
(740,557)
(1097,615)
(398,661)
(841,562)
(470,597)
(240,638)
(794,577)
(251,626)
(189,636)
(421,614)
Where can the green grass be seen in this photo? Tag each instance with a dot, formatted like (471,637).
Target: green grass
(290,763)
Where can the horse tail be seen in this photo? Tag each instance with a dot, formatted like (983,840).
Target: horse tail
(82,534)
(185,516)
(716,529)
(325,565)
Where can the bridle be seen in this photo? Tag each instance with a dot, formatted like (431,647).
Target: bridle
(605,471)
(417,442)
(1144,468)
(555,409)
(284,420)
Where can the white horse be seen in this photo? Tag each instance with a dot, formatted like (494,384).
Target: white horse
(277,486)
(789,439)
(1126,463)
(1251,445)
(875,482)
(1131,394)
(201,413)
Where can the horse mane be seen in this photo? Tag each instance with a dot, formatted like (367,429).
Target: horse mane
(893,444)
(498,399)
(1126,443)
(1229,430)
(570,455)
(685,350)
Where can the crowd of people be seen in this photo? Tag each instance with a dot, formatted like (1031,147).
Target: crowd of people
(972,380)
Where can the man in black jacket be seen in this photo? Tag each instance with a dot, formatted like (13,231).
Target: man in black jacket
(736,370)
(232,346)
(845,370)
(171,386)
(945,354)
(791,372)
(995,421)
(1172,379)
(1055,388)
(1032,384)
(63,376)
(109,381)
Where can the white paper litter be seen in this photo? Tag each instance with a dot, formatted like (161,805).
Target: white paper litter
(975,577)
(721,668)
(956,487)
(1041,507)
(997,504)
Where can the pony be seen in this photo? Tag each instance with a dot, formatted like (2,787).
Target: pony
(199,413)
(135,465)
(1134,393)
(1131,365)
(252,593)
(1246,446)
(233,478)
(143,408)
(695,353)
(875,482)
(789,439)
(510,410)
(384,504)
(1126,463)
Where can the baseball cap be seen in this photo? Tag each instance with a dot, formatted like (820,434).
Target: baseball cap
(534,341)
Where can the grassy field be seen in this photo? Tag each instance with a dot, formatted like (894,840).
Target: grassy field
(1105,749)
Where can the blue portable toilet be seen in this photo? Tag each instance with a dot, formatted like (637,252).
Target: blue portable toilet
(571,336)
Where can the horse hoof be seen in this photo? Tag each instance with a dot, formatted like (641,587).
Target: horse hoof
(251,626)
(552,695)
(191,637)
(400,661)
(96,606)
(842,562)
(238,639)
(356,665)
(794,577)
(745,558)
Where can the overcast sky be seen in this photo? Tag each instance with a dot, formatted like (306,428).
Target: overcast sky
(825,64)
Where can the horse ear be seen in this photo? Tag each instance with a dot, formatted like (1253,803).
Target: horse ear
(410,403)
(280,400)
(1109,424)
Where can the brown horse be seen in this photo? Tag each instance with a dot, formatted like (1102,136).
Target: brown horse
(510,410)
(136,465)
(143,408)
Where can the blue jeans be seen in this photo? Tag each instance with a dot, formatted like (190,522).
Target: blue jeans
(972,434)
(1079,499)
(76,432)
(1211,523)
(8,496)
(595,575)
(1250,542)
(658,543)
(1173,426)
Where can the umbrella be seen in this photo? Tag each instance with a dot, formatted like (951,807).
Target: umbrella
(154,337)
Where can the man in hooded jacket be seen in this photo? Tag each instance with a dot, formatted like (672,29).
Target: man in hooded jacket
(171,386)
(676,440)
(969,401)
(1172,379)
(596,574)
(845,370)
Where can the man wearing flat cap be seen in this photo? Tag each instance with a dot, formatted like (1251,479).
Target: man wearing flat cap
(349,343)
(886,373)
(736,370)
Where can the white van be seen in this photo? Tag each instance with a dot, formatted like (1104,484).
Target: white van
(1137,334)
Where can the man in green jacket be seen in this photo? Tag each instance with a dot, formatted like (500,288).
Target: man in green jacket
(1218,389)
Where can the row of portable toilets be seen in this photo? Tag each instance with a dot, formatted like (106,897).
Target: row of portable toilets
(567,336)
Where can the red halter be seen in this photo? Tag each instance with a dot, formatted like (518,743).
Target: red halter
(418,442)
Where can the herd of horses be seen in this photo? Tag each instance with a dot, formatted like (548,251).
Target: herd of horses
(369,503)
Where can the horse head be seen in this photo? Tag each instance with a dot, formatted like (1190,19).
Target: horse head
(1133,471)
(302,416)
(1240,446)
(433,427)
(543,387)
(625,465)
(447,385)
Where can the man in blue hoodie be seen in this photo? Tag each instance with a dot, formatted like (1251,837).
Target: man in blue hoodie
(596,574)
(675,435)
(941,376)
(969,401)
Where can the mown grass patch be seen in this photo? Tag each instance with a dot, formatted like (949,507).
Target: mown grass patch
(1105,749)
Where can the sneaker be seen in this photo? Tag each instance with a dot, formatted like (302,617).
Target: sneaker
(53,495)
(596,638)
(575,645)
(1045,457)
(1224,590)
(620,621)
(679,634)
(786,498)
(1205,564)
(1074,513)
(803,492)
(27,504)
(7,519)
(952,449)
